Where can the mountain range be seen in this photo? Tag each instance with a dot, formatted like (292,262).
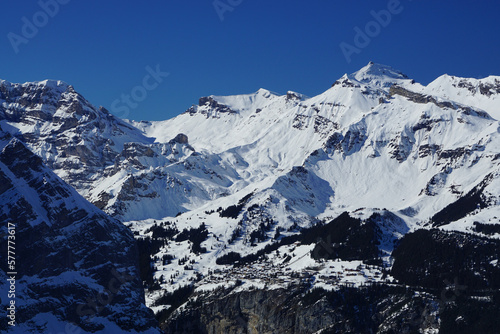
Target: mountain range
(259,202)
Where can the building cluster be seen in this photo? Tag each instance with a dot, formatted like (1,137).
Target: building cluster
(270,274)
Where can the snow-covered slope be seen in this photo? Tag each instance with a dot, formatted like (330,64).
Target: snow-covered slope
(481,93)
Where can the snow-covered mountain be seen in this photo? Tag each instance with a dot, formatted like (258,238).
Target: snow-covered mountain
(109,162)
(233,189)
(376,138)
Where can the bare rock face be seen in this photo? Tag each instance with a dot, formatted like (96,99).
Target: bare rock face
(75,265)
(212,103)
(181,139)
(487,89)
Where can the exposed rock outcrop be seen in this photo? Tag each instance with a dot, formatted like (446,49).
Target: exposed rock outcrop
(74,263)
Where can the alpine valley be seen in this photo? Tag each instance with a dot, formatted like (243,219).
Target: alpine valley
(373,207)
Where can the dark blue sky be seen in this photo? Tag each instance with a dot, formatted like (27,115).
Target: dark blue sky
(103,48)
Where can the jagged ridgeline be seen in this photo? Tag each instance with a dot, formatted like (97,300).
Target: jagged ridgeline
(371,207)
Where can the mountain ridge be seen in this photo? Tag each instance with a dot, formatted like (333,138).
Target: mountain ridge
(240,178)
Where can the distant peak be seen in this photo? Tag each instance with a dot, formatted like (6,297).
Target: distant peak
(50,84)
(448,77)
(290,95)
(376,74)
(374,70)
(265,93)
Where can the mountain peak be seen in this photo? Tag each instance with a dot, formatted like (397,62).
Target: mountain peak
(264,92)
(50,84)
(378,73)
(374,69)
(291,95)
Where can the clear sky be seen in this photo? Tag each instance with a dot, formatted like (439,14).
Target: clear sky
(103,47)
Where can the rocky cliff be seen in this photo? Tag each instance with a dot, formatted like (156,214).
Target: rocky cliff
(73,266)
